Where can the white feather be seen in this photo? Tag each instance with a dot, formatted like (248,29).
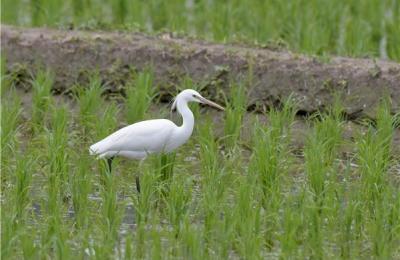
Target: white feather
(136,140)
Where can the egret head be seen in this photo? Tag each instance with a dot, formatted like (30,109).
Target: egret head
(190,95)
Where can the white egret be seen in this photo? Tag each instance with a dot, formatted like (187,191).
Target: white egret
(140,139)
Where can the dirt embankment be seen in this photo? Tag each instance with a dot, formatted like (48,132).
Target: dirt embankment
(271,75)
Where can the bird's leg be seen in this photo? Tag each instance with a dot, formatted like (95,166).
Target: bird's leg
(109,163)
(105,177)
(137,179)
(137,184)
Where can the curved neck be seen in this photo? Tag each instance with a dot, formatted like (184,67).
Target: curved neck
(187,117)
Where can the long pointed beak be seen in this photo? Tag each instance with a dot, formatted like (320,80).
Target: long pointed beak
(210,103)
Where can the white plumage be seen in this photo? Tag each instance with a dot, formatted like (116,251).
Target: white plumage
(138,140)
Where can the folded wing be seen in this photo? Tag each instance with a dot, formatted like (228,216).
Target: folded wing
(146,136)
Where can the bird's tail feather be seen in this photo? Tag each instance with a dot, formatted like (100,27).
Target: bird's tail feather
(94,149)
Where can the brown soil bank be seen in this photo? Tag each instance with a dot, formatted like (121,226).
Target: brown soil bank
(271,75)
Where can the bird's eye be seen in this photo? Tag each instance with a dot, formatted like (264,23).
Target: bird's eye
(194,96)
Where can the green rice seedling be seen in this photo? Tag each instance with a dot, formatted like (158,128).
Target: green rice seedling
(148,240)
(348,248)
(81,187)
(146,210)
(12,14)
(149,193)
(41,99)
(282,119)
(358,222)
(140,241)
(88,14)
(373,155)
(248,235)
(292,222)
(342,219)
(9,238)
(191,240)
(139,94)
(270,158)
(385,123)
(212,184)
(270,163)
(315,233)
(330,128)
(53,238)
(156,236)
(316,167)
(378,234)
(231,175)
(23,179)
(128,247)
(265,162)
(208,152)
(10,119)
(234,115)
(390,32)
(382,227)
(392,223)
(37,12)
(10,124)
(214,201)
(321,150)
(57,141)
(225,229)
(54,182)
(164,167)
(16,199)
(112,212)
(90,102)
(234,164)
(59,127)
(27,243)
(108,122)
(46,12)
(78,9)
(111,217)
(55,11)
(374,159)
(6,79)
(373,163)
(53,234)
(177,201)
(120,9)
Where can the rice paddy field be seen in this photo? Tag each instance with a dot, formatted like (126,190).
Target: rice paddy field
(272,185)
(239,189)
